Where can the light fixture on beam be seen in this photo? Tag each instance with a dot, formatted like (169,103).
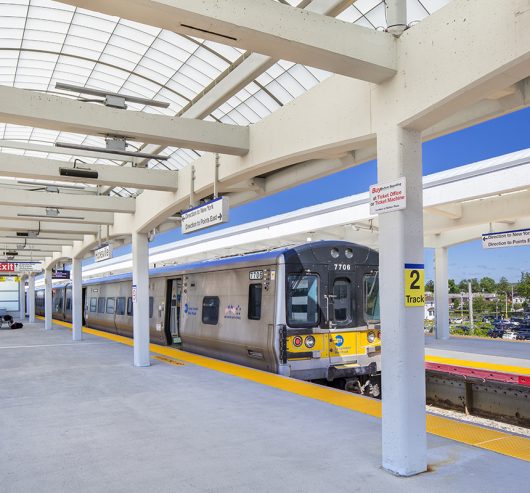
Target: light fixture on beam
(113,99)
(46,184)
(27,234)
(110,150)
(51,212)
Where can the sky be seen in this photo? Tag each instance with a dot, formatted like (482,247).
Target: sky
(496,137)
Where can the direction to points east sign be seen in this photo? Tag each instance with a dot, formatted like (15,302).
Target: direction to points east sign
(503,239)
(388,197)
(205,215)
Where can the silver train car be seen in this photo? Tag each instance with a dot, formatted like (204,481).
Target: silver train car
(310,312)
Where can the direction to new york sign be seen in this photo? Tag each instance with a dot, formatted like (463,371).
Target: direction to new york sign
(504,239)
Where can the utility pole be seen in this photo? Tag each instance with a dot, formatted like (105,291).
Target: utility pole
(470,307)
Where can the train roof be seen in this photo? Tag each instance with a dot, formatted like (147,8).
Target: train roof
(307,252)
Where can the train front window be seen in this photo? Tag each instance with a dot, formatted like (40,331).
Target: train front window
(342,300)
(371,297)
(302,300)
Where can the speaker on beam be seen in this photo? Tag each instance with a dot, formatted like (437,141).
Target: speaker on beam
(78,173)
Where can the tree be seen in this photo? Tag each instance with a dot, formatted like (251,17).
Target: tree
(480,305)
(475,286)
(487,284)
(503,285)
(429,286)
(462,286)
(453,288)
(523,288)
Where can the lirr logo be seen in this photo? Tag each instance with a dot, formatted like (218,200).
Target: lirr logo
(339,341)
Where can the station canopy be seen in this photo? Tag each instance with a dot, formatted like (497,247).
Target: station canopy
(44,42)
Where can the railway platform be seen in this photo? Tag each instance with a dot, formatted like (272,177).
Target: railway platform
(486,354)
(77,416)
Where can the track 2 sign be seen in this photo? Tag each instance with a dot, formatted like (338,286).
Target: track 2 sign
(414,285)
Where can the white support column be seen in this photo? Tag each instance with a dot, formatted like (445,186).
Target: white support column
(22,298)
(396,14)
(140,251)
(31,298)
(403,367)
(48,299)
(441,293)
(77,300)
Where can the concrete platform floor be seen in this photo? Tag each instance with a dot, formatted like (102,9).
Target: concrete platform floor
(78,417)
(496,351)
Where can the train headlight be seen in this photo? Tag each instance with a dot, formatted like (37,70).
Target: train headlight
(310,342)
(349,253)
(297,341)
(371,337)
(334,252)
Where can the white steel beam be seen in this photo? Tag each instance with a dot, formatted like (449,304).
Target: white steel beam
(23,107)
(301,36)
(77,299)
(494,35)
(47,227)
(31,298)
(403,346)
(48,305)
(80,202)
(37,243)
(35,213)
(140,252)
(46,169)
(441,293)
(51,149)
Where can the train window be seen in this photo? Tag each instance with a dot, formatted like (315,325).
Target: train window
(111,303)
(120,306)
(302,300)
(93,304)
(210,310)
(342,301)
(129,306)
(371,297)
(101,305)
(151,305)
(69,301)
(254,301)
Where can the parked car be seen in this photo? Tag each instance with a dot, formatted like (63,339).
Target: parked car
(523,334)
(496,332)
(510,334)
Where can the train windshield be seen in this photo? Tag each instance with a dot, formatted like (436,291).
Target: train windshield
(371,297)
(302,300)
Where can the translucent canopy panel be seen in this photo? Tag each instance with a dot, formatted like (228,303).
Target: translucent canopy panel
(285,81)
(44,42)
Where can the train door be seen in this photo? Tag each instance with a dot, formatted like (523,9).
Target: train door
(340,306)
(174,294)
(84,307)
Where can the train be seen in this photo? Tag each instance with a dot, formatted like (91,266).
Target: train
(310,311)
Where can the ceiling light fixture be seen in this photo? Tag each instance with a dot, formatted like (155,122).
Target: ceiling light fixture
(107,150)
(50,184)
(113,99)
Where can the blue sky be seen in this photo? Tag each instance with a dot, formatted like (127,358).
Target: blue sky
(493,138)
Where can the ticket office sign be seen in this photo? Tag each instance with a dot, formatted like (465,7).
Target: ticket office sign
(414,285)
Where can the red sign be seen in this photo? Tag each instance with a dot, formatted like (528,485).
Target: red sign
(7,267)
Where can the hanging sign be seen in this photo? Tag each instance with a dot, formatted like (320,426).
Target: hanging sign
(60,274)
(205,215)
(414,285)
(503,239)
(28,266)
(103,253)
(388,197)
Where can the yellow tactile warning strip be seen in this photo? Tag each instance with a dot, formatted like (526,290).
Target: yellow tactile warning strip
(518,370)
(493,440)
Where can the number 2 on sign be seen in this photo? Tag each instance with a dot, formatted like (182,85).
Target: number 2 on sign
(414,285)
